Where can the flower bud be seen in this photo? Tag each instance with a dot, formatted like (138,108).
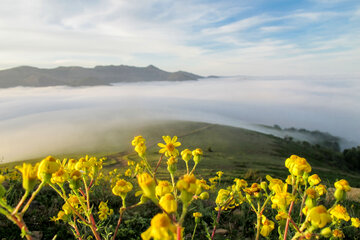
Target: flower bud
(340,195)
(74,182)
(310,202)
(47,167)
(29,174)
(197,216)
(147,185)
(263,185)
(197,153)
(168,203)
(186,155)
(326,232)
(172,165)
(204,196)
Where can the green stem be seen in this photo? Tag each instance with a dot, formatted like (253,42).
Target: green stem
(174,186)
(183,213)
(6,206)
(194,231)
(21,202)
(66,201)
(258,222)
(90,216)
(187,167)
(32,198)
(148,167)
(193,168)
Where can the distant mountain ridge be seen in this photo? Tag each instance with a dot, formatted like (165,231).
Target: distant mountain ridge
(79,76)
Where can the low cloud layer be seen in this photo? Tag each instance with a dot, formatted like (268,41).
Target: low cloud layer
(39,121)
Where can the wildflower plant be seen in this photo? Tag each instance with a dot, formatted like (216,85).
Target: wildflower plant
(291,208)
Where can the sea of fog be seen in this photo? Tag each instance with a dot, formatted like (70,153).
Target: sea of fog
(40,121)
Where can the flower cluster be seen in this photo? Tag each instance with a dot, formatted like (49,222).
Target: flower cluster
(294,207)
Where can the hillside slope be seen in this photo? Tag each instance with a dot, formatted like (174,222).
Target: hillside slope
(236,151)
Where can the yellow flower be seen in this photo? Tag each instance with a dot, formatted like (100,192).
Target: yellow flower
(75,178)
(342,185)
(314,180)
(170,148)
(355,222)
(161,229)
(240,184)
(128,173)
(163,188)
(201,185)
(104,211)
(121,188)
(186,155)
(281,216)
(60,176)
(29,174)
(289,180)
(319,217)
(187,186)
(140,148)
(82,164)
(220,173)
(168,203)
(60,216)
(321,189)
(311,198)
(71,203)
(267,226)
(75,175)
(338,233)
(311,193)
(297,165)
(197,153)
(137,140)
(273,182)
(254,190)
(340,212)
(71,164)
(282,198)
(47,167)
(213,180)
(147,185)
(187,183)
(197,216)
(223,198)
(2,179)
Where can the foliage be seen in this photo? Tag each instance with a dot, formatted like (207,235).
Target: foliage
(135,203)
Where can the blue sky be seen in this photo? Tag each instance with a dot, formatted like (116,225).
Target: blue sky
(255,37)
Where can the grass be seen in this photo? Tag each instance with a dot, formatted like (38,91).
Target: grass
(235,151)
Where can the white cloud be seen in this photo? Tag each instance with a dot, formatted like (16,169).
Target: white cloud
(171,34)
(271,29)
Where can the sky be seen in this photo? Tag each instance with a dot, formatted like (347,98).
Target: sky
(207,37)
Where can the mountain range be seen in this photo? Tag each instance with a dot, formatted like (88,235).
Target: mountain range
(79,76)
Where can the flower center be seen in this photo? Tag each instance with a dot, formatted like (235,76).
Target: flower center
(170,147)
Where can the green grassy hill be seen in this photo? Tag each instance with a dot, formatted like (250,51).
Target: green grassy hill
(235,151)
